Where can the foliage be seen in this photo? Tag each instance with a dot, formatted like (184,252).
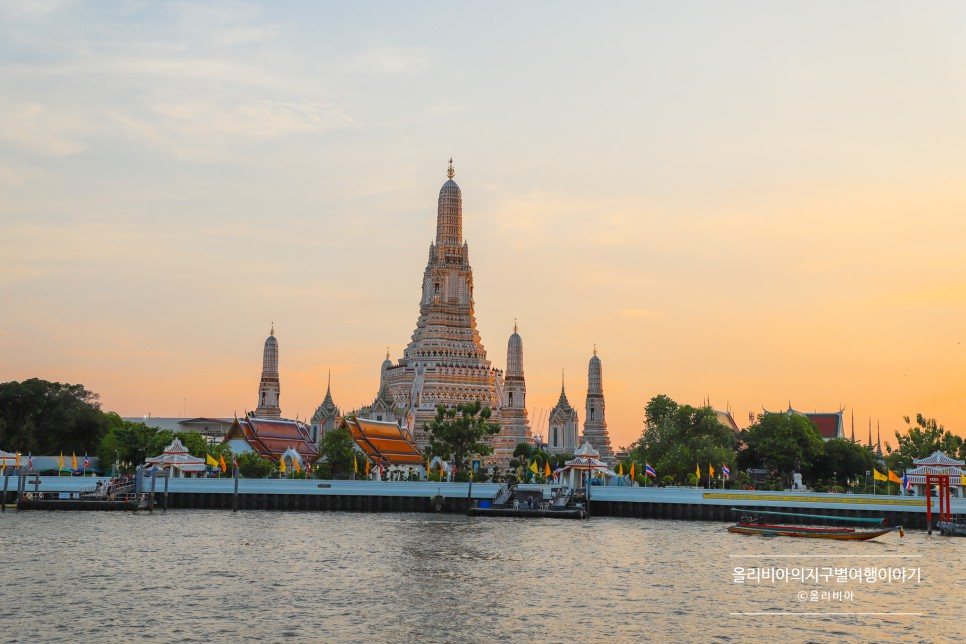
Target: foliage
(921,440)
(253,466)
(782,442)
(339,449)
(45,417)
(461,432)
(523,451)
(841,459)
(677,438)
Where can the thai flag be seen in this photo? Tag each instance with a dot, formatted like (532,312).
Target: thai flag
(905,482)
(234,460)
(30,461)
(87,462)
(650,471)
(726,471)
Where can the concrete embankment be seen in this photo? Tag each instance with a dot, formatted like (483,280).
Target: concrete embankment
(375,496)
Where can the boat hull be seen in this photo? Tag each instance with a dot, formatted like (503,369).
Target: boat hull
(837,534)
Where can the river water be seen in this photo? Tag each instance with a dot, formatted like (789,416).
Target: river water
(345,577)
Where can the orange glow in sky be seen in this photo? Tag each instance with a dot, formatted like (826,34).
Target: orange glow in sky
(754,205)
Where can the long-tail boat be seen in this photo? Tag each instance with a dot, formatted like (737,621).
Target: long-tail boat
(751,522)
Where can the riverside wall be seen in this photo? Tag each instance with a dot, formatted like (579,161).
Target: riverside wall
(377,496)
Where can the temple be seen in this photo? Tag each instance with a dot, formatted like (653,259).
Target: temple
(269,389)
(445,362)
(830,424)
(384,444)
(516,425)
(326,417)
(564,423)
(595,424)
(937,463)
(272,438)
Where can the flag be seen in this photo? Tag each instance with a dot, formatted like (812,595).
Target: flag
(620,469)
(30,461)
(905,482)
(221,461)
(533,466)
(879,476)
(650,471)
(697,470)
(295,462)
(61,466)
(18,460)
(73,461)
(209,460)
(547,472)
(962,479)
(281,465)
(726,471)
(367,468)
(894,477)
(234,461)
(87,462)
(632,470)
(710,471)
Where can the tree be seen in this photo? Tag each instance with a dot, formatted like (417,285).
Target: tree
(339,449)
(253,466)
(841,459)
(129,441)
(50,417)
(784,442)
(921,440)
(676,438)
(461,432)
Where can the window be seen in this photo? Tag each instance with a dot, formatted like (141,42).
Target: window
(554,436)
(591,413)
(511,399)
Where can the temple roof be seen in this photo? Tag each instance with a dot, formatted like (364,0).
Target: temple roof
(830,424)
(271,437)
(938,458)
(176,455)
(384,443)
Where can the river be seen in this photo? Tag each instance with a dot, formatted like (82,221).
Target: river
(338,577)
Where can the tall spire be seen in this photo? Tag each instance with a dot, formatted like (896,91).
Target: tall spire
(269,389)
(853,425)
(595,423)
(449,219)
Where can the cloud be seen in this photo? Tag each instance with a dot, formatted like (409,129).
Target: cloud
(40,129)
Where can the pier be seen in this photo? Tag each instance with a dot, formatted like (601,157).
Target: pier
(312,495)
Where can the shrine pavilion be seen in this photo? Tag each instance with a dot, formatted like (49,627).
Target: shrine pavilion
(384,444)
(178,462)
(941,464)
(272,438)
(585,466)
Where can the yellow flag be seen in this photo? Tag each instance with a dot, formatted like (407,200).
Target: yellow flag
(879,476)
(281,465)
(210,460)
(73,458)
(710,470)
(620,469)
(221,461)
(547,471)
(632,470)
(295,462)
(962,479)
(697,470)
(894,477)
(533,466)
(61,466)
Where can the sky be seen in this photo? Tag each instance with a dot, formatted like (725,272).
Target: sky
(754,204)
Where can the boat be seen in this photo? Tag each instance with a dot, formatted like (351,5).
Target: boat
(752,522)
(529,503)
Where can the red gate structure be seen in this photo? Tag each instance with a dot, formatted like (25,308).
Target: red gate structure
(945,514)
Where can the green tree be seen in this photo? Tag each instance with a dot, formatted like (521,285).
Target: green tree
(782,442)
(45,417)
(677,438)
(129,441)
(253,466)
(461,432)
(921,440)
(338,449)
(843,460)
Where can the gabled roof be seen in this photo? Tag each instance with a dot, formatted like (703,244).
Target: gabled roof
(384,443)
(830,424)
(938,458)
(271,437)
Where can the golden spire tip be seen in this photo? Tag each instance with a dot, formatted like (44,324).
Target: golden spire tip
(450,171)
(272,332)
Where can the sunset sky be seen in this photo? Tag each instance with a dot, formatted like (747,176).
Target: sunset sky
(752,203)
